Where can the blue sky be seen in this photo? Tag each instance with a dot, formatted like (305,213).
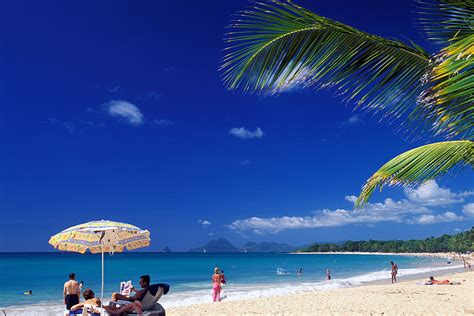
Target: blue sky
(115,110)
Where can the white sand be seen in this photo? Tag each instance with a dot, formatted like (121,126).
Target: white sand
(405,298)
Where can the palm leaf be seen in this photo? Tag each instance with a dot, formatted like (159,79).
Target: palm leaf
(276,46)
(419,165)
(447,102)
(444,20)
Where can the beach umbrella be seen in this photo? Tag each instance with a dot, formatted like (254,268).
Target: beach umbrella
(101,237)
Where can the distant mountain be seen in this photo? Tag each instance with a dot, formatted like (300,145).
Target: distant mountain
(216,245)
(267,246)
(223,245)
(166,249)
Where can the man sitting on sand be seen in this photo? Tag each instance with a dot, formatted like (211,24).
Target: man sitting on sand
(144,283)
(71,292)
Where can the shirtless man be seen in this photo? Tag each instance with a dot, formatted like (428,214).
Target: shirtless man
(71,292)
(394,272)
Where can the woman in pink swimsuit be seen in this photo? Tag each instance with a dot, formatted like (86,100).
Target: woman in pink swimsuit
(216,285)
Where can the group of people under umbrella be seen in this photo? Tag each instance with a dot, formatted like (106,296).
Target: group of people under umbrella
(109,236)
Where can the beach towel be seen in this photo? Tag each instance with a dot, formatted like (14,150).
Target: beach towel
(83,312)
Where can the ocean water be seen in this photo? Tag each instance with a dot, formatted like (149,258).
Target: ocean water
(189,274)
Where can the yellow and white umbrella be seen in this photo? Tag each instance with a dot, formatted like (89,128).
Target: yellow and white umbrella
(99,237)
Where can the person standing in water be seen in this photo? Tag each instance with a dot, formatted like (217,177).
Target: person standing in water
(216,285)
(223,279)
(328,274)
(71,292)
(300,272)
(394,272)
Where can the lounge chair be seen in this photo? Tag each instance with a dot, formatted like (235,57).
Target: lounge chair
(150,303)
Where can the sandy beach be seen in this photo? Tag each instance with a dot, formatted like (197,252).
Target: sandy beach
(404,298)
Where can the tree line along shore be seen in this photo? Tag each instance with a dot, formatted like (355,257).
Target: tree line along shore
(458,243)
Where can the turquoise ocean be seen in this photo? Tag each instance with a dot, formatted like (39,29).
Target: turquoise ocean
(189,274)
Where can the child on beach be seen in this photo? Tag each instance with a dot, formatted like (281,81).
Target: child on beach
(216,285)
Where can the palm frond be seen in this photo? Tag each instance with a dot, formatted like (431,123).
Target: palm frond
(447,102)
(420,164)
(445,20)
(277,46)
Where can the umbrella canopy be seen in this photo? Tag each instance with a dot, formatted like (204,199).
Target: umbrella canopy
(98,236)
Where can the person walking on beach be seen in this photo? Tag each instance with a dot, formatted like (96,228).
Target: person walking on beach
(467,265)
(394,272)
(71,292)
(216,285)
(328,274)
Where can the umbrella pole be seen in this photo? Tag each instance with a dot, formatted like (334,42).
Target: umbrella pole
(102,287)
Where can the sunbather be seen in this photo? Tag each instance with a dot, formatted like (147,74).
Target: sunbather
(90,300)
(438,282)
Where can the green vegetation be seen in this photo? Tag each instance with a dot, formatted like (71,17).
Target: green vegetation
(276,46)
(459,243)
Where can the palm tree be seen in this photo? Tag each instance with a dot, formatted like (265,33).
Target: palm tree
(273,47)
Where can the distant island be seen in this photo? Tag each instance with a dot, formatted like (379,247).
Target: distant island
(458,243)
(166,249)
(223,245)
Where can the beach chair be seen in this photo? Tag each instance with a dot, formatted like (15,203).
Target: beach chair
(150,304)
(150,300)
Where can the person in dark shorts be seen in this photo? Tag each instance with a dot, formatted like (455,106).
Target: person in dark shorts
(71,292)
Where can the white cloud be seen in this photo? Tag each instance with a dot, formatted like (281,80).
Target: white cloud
(125,110)
(298,78)
(457,230)
(69,126)
(430,193)
(154,96)
(468,209)
(388,211)
(204,222)
(245,162)
(163,122)
(435,218)
(242,132)
(413,210)
(351,121)
(114,89)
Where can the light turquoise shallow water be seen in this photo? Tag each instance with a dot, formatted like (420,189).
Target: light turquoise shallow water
(249,274)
